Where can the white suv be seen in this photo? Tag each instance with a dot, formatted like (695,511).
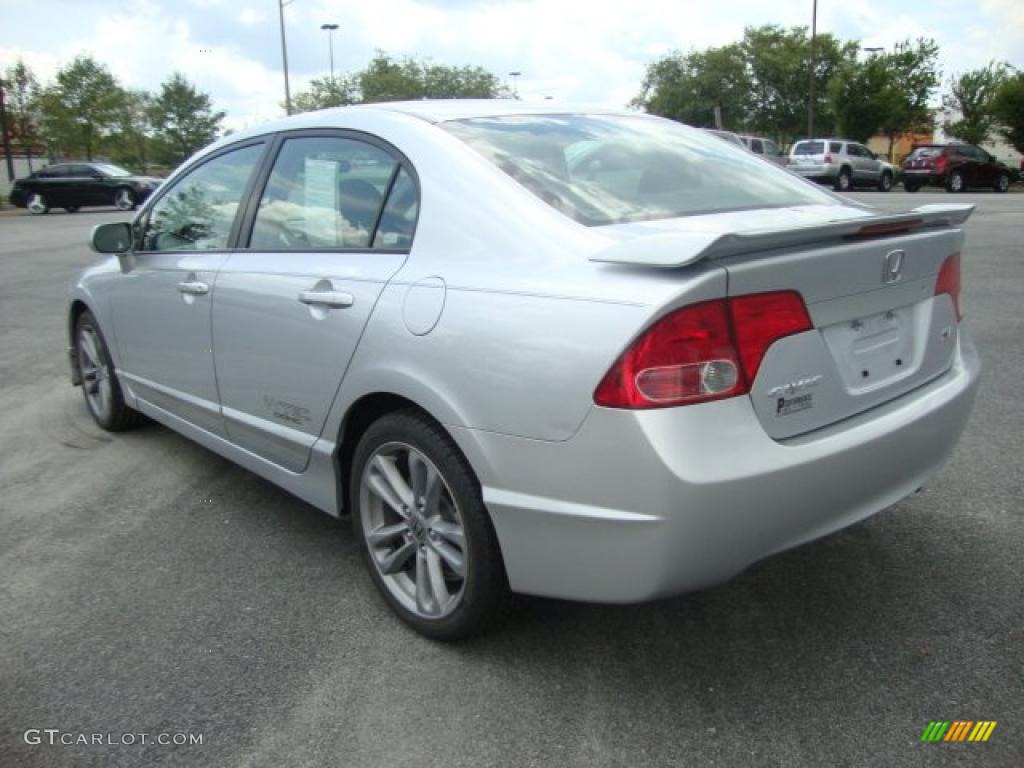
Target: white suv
(844,164)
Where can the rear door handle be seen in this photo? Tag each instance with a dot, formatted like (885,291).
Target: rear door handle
(334,299)
(193,287)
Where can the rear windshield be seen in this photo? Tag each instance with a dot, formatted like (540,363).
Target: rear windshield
(600,169)
(809,148)
(926,152)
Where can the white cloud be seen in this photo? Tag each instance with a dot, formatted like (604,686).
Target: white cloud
(251,16)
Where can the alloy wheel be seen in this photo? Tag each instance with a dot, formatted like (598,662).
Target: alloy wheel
(95,373)
(37,204)
(956,182)
(124,200)
(1004,183)
(413,530)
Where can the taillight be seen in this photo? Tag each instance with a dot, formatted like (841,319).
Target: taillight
(706,351)
(948,282)
(940,163)
(828,159)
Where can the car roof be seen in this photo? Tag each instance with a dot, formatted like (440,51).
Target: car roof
(441,110)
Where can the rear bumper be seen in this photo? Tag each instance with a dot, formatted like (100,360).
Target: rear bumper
(924,178)
(641,505)
(816,172)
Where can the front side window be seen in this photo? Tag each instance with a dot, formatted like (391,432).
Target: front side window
(770,148)
(111,170)
(607,169)
(198,209)
(324,192)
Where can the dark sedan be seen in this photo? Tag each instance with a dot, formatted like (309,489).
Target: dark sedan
(957,167)
(73,185)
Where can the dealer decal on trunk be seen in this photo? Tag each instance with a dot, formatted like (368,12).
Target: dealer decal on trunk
(787,405)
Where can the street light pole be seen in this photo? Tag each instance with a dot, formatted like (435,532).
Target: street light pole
(515,83)
(330,43)
(814,35)
(284,56)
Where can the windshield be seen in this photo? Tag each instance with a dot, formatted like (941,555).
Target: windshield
(611,169)
(111,170)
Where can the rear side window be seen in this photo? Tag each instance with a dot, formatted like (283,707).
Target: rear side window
(324,192)
(398,221)
(756,146)
(608,169)
(836,147)
(198,210)
(810,148)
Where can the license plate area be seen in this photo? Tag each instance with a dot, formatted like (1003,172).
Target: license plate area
(875,351)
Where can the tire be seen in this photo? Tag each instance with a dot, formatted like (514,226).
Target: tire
(72,208)
(420,548)
(37,204)
(1003,183)
(103,396)
(844,183)
(885,183)
(955,182)
(910,186)
(125,199)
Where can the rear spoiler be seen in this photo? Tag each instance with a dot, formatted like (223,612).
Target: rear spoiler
(677,249)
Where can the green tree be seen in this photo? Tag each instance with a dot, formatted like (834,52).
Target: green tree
(134,140)
(1008,110)
(859,97)
(21,93)
(688,87)
(888,93)
(80,108)
(973,94)
(324,92)
(183,118)
(914,76)
(778,60)
(390,79)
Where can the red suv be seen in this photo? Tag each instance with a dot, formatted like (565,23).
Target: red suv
(957,167)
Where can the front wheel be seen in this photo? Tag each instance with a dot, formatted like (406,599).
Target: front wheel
(1003,183)
(37,204)
(125,200)
(103,395)
(426,534)
(885,183)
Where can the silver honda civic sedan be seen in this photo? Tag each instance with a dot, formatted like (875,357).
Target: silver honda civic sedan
(580,353)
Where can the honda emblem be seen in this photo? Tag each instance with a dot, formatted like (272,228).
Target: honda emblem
(893,267)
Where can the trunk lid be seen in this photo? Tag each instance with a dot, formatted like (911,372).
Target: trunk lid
(869,285)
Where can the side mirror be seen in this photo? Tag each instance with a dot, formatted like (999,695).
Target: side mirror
(112,238)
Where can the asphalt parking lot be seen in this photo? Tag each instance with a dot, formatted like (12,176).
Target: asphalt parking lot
(129,604)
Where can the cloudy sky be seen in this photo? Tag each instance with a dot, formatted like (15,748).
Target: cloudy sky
(582,50)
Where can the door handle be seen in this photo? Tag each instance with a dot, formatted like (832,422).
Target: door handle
(334,299)
(193,287)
